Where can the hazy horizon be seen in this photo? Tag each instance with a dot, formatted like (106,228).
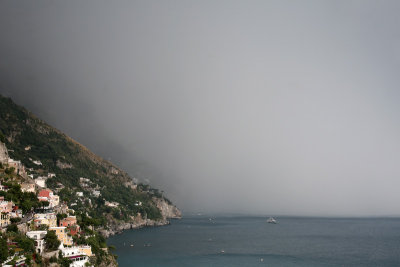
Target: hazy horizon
(257,107)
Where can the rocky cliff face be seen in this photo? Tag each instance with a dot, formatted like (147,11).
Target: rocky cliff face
(168,210)
(3,153)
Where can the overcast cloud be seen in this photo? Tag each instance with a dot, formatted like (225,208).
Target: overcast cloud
(268,107)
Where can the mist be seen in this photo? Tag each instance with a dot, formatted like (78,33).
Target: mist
(256,107)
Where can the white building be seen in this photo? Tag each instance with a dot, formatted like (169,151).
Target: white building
(84,180)
(79,194)
(37,162)
(96,193)
(16,214)
(41,181)
(38,237)
(111,204)
(3,187)
(74,253)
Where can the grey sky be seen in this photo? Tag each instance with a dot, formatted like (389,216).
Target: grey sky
(270,107)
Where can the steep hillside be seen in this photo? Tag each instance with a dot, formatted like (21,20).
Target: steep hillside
(31,140)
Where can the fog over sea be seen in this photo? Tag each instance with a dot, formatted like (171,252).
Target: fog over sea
(251,241)
(250,107)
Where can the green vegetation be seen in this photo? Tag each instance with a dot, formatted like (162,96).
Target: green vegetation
(25,243)
(52,242)
(9,171)
(18,242)
(25,200)
(64,262)
(3,249)
(15,220)
(29,139)
(12,228)
(69,161)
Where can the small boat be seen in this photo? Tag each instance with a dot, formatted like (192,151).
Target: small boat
(271,220)
(132,245)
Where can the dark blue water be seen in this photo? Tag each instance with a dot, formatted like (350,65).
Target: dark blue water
(250,241)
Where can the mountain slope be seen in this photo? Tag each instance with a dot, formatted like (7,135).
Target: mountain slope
(29,139)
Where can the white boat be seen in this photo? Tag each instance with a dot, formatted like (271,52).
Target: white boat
(271,220)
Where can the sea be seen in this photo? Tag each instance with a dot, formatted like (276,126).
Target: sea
(201,240)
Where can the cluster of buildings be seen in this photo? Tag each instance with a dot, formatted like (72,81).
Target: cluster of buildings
(65,229)
(79,255)
(8,210)
(48,195)
(89,186)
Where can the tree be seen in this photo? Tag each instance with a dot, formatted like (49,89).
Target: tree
(3,250)
(61,216)
(52,242)
(27,244)
(26,205)
(28,259)
(64,262)
(43,227)
(12,228)
(9,170)
(2,138)
(15,220)
(44,204)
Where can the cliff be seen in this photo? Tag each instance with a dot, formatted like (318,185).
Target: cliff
(168,211)
(31,140)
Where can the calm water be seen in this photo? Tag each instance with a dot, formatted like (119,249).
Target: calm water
(250,241)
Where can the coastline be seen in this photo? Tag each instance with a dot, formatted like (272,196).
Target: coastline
(119,228)
(168,211)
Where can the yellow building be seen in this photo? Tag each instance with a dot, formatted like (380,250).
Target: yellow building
(62,235)
(87,250)
(49,219)
(4,219)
